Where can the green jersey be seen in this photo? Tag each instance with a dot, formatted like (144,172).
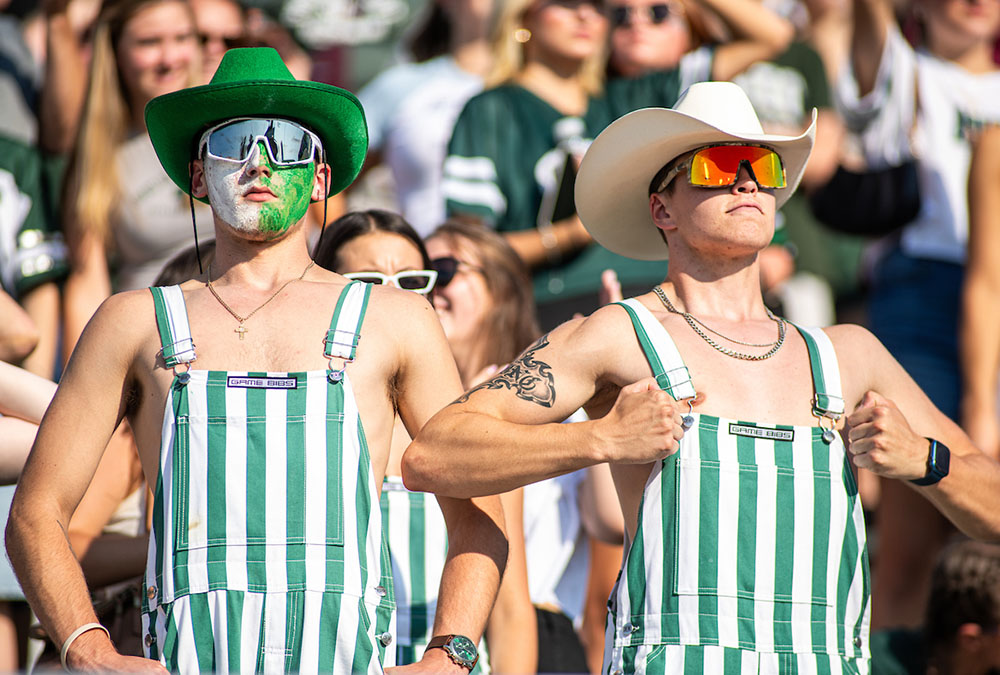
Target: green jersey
(507,156)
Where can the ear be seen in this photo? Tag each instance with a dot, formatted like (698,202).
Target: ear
(969,635)
(199,187)
(321,182)
(661,211)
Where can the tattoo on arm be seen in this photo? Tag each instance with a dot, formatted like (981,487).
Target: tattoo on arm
(529,378)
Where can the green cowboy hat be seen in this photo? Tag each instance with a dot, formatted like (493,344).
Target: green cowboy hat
(254,82)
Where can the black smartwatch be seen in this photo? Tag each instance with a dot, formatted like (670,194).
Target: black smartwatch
(938,461)
(459,649)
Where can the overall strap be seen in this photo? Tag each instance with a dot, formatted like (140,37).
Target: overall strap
(172,322)
(661,352)
(345,327)
(828,400)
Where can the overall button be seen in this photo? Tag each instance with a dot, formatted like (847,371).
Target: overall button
(149,640)
(385,638)
(627,629)
(151,592)
(381,591)
(857,641)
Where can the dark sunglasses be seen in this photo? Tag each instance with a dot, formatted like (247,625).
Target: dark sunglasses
(623,15)
(447,268)
(229,42)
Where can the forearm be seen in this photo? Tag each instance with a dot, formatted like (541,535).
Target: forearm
(969,496)
(52,580)
(82,298)
(18,334)
(871,20)
(65,86)
(535,249)
(477,557)
(42,305)
(750,21)
(512,631)
(979,346)
(467,454)
(23,394)
(110,558)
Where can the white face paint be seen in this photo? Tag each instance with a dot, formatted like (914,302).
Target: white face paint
(225,193)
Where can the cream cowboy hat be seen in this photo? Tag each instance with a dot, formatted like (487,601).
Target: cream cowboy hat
(612,186)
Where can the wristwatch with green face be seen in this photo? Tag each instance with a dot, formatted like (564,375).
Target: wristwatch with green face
(938,463)
(459,649)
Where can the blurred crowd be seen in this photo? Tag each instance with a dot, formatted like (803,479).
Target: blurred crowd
(478,113)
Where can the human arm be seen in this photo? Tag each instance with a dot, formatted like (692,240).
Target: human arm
(869,30)
(18,334)
(889,428)
(23,400)
(477,545)
(758,34)
(83,414)
(108,558)
(507,432)
(979,331)
(87,285)
(65,83)
(512,631)
(42,303)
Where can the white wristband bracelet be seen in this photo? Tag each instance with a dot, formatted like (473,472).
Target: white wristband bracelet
(74,635)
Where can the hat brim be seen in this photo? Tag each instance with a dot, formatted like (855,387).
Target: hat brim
(175,121)
(612,185)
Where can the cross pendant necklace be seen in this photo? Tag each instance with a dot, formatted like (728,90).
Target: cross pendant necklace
(241,330)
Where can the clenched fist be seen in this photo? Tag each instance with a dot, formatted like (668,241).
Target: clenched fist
(644,425)
(882,441)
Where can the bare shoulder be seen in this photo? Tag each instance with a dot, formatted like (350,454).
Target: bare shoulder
(405,313)
(853,341)
(121,331)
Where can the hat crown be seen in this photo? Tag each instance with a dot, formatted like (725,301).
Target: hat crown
(251,63)
(723,105)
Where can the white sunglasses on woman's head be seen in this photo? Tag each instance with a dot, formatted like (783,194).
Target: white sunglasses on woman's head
(418,281)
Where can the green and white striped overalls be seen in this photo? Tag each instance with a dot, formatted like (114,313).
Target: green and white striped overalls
(750,552)
(418,546)
(266,550)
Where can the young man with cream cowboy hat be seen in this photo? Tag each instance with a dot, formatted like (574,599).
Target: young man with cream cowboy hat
(263,424)
(745,538)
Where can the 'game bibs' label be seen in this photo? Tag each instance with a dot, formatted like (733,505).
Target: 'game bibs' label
(244,382)
(761,432)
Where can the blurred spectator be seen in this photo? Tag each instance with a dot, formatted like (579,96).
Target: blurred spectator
(961,629)
(377,246)
(351,40)
(221,25)
(483,299)
(411,108)
(124,217)
(32,255)
(951,87)
(23,400)
(513,152)
(979,336)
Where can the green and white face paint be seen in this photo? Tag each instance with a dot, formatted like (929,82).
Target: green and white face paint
(230,183)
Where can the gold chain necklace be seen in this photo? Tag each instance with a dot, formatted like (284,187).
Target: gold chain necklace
(242,319)
(693,322)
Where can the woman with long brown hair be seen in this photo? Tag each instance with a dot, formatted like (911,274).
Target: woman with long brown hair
(123,216)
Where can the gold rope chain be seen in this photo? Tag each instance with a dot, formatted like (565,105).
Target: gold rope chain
(693,322)
(242,319)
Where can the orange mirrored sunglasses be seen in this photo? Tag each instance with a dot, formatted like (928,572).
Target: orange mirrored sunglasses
(718,166)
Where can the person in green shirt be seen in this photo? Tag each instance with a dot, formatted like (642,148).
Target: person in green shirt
(515,146)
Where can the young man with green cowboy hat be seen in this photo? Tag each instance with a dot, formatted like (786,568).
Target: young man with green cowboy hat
(724,425)
(262,396)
